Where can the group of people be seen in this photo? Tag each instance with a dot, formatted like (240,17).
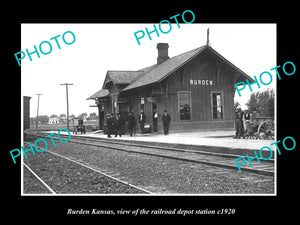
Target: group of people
(242,120)
(115,123)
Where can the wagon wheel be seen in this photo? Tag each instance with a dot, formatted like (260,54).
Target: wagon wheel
(266,130)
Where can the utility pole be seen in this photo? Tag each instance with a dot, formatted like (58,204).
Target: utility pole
(67,103)
(37,113)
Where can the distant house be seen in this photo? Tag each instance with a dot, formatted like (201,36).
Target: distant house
(72,117)
(62,119)
(53,120)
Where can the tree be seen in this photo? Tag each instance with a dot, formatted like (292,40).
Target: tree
(83,116)
(262,102)
(268,103)
(62,116)
(44,119)
(236,104)
(252,103)
(93,115)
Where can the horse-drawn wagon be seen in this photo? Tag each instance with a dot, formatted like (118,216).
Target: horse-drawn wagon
(260,128)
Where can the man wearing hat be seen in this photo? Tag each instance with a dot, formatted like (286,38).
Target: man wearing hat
(142,120)
(118,122)
(109,124)
(131,123)
(154,119)
(239,114)
(166,119)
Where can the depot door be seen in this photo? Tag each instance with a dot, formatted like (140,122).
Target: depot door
(123,110)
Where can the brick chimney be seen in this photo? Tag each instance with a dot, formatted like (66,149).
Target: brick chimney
(162,52)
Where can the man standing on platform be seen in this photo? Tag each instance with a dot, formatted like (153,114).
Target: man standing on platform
(118,125)
(142,120)
(131,123)
(109,124)
(166,119)
(154,120)
(239,115)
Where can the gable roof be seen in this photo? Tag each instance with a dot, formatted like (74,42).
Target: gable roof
(159,72)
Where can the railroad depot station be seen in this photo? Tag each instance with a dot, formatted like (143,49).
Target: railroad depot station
(196,88)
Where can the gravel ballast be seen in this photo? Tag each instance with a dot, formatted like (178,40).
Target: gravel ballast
(66,177)
(158,175)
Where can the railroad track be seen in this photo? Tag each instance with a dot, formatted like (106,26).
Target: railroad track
(221,160)
(48,176)
(41,181)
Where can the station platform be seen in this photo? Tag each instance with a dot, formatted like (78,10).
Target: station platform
(221,140)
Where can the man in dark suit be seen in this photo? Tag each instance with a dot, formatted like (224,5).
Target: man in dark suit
(131,123)
(154,118)
(109,124)
(239,115)
(142,120)
(166,119)
(118,125)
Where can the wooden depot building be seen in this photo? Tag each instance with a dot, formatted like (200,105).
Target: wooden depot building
(196,88)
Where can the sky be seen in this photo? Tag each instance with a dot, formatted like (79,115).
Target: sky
(102,47)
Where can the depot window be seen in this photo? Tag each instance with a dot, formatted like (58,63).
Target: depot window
(217,106)
(184,105)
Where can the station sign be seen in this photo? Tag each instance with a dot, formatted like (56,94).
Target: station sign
(201,82)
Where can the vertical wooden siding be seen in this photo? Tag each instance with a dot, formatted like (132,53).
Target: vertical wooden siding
(203,67)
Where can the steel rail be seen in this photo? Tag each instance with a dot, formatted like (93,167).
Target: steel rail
(102,173)
(214,164)
(40,179)
(163,148)
(128,143)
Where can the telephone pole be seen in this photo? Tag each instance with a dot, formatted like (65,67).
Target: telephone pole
(37,113)
(67,103)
